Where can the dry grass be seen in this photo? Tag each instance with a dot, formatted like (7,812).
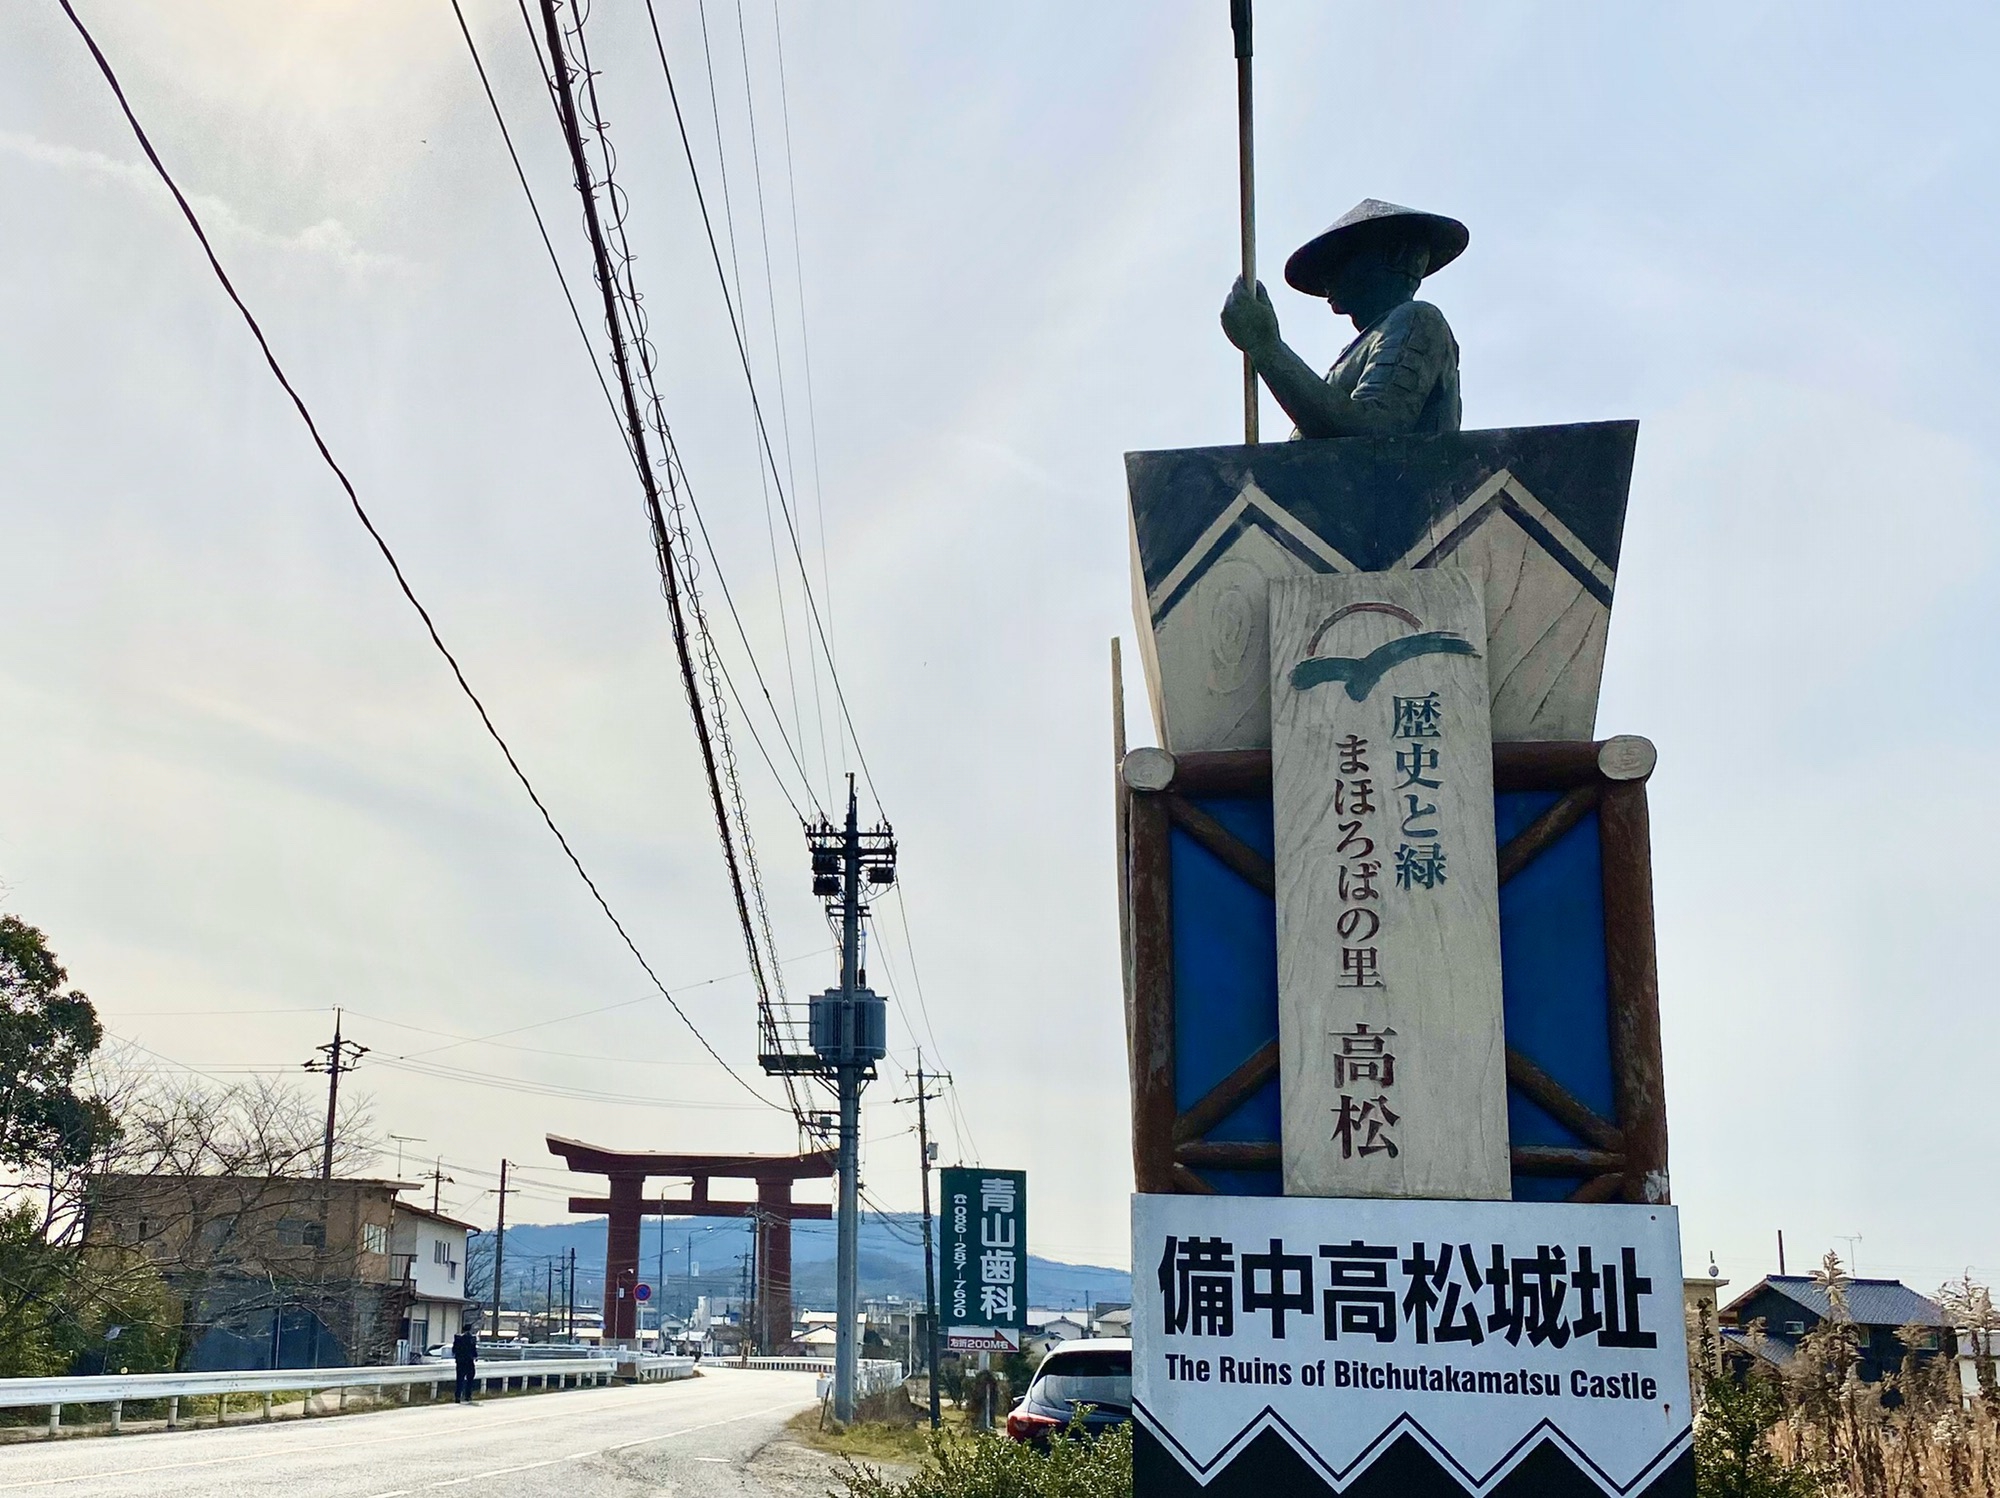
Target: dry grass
(1912,1435)
(901,1438)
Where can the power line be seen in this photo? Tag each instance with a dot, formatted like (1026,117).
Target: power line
(895,988)
(777,346)
(961,1126)
(736,273)
(805,355)
(211,1074)
(894,1229)
(623,320)
(555,261)
(532,1088)
(455,1040)
(381,545)
(756,405)
(204,1013)
(597,371)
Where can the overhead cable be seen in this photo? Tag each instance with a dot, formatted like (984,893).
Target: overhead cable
(625,326)
(777,346)
(805,359)
(555,261)
(381,545)
(550,1089)
(757,409)
(736,273)
(590,351)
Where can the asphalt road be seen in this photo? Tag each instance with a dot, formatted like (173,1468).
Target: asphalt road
(697,1438)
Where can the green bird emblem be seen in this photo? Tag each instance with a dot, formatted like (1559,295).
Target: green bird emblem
(1362,675)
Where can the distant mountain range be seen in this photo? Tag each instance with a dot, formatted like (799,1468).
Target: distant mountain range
(714,1250)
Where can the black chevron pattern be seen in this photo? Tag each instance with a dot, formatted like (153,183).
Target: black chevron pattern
(1269,1467)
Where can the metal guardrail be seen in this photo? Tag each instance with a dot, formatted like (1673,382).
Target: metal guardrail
(654,1368)
(871,1375)
(532,1352)
(876,1377)
(119,1389)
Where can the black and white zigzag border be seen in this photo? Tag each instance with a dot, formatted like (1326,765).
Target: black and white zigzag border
(1406,1424)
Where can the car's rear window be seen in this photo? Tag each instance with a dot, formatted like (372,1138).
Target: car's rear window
(1100,1378)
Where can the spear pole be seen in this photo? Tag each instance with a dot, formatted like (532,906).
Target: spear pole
(1239,23)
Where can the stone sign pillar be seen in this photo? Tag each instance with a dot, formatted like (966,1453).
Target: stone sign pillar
(1393,1055)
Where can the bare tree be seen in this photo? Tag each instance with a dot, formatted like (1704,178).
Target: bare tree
(216,1190)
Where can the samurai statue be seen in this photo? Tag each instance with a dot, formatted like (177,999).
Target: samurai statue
(1400,374)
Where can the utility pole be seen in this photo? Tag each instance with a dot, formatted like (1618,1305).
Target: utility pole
(569,1318)
(848,1078)
(925,1150)
(659,1301)
(751,1320)
(438,1180)
(549,1302)
(499,1248)
(847,1030)
(341,1056)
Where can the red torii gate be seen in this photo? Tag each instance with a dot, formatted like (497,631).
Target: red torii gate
(774,1211)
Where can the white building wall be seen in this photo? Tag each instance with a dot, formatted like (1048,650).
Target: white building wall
(437,1276)
(437,1251)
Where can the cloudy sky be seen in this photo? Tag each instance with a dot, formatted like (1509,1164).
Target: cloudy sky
(237,787)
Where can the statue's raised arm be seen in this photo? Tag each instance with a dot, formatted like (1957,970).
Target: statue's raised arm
(1400,374)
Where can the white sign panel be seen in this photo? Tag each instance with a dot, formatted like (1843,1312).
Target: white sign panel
(1389,1004)
(982,1339)
(1491,1336)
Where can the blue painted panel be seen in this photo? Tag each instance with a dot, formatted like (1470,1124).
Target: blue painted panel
(1553,969)
(1225,968)
(1244,1182)
(1552,966)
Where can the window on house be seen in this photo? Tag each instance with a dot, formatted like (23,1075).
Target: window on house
(1795,1328)
(300,1232)
(374,1238)
(217,1231)
(440,1251)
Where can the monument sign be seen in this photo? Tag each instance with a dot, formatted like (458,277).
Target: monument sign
(1291,1344)
(1391,995)
(1389,1004)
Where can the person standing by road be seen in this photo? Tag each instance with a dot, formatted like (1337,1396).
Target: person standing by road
(464,1355)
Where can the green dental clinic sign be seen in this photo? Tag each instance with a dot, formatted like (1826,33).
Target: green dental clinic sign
(984,1273)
